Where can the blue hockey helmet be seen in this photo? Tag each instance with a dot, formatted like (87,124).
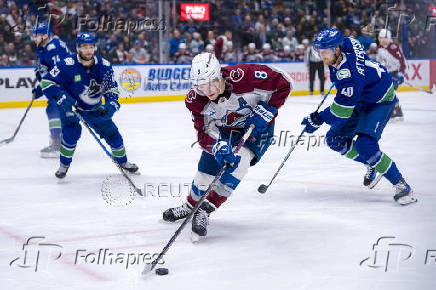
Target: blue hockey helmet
(85,37)
(41,28)
(329,38)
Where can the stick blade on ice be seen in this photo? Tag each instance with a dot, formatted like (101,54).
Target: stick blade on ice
(262,188)
(147,270)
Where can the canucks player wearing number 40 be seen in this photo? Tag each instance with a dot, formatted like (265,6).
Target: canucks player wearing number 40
(224,103)
(361,108)
(79,81)
(49,50)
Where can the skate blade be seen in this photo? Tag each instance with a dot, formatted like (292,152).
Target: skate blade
(132,173)
(195,238)
(49,155)
(406,200)
(396,119)
(375,181)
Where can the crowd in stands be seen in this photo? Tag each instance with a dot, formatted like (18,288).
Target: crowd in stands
(252,31)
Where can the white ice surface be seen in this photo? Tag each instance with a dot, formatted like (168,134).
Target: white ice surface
(309,231)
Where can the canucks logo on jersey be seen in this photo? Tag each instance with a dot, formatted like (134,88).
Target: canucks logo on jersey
(87,85)
(91,94)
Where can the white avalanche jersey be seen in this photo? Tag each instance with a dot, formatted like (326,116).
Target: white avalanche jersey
(247,85)
(391,57)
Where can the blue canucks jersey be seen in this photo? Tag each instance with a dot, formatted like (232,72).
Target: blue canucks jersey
(87,85)
(50,54)
(358,81)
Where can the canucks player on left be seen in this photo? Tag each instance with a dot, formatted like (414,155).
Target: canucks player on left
(49,50)
(80,81)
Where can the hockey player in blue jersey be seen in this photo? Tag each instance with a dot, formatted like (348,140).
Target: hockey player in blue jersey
(79,81)
(49,50)
(360,110)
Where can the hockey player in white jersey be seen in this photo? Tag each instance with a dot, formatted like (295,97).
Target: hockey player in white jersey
(389,54)
(224,102)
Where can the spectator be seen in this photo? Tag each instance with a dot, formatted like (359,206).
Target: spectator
(221,44)
(182,56)
(290,40)
(324,24)
(12,53)
(175,41)
(230,55)
(372,51)
(197,44)
(111,43)
(3,10)
(237,18)
(30,54)
(209,48)
(268,54)
(286,55)
(139,53)
(247,30)
(130,57)
(210,38)
(190,27)
(260,21)
(2,44)
(365,39)
(299,52)
(252,55)
(4,61)
(118,55)
(262,36)
(273,24)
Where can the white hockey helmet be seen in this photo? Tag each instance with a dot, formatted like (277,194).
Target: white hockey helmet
(384,33)
(204,69)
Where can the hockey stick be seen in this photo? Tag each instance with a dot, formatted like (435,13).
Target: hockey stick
(263,187)
(10,139)
(148,268)
(130,182)
(432,91)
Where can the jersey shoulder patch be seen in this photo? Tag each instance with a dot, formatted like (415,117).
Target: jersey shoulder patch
(62,44)
(69,61)
(105,62)
(195,102)
(51,46)
(343,74)
(236,74)
(190,96)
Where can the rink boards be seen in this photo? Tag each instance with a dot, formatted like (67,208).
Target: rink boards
(156,83)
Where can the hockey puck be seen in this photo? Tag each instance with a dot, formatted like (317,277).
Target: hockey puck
(161,271)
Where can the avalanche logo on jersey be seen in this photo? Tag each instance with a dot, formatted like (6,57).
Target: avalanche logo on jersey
(237,118)
(233,120)
(91,94)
